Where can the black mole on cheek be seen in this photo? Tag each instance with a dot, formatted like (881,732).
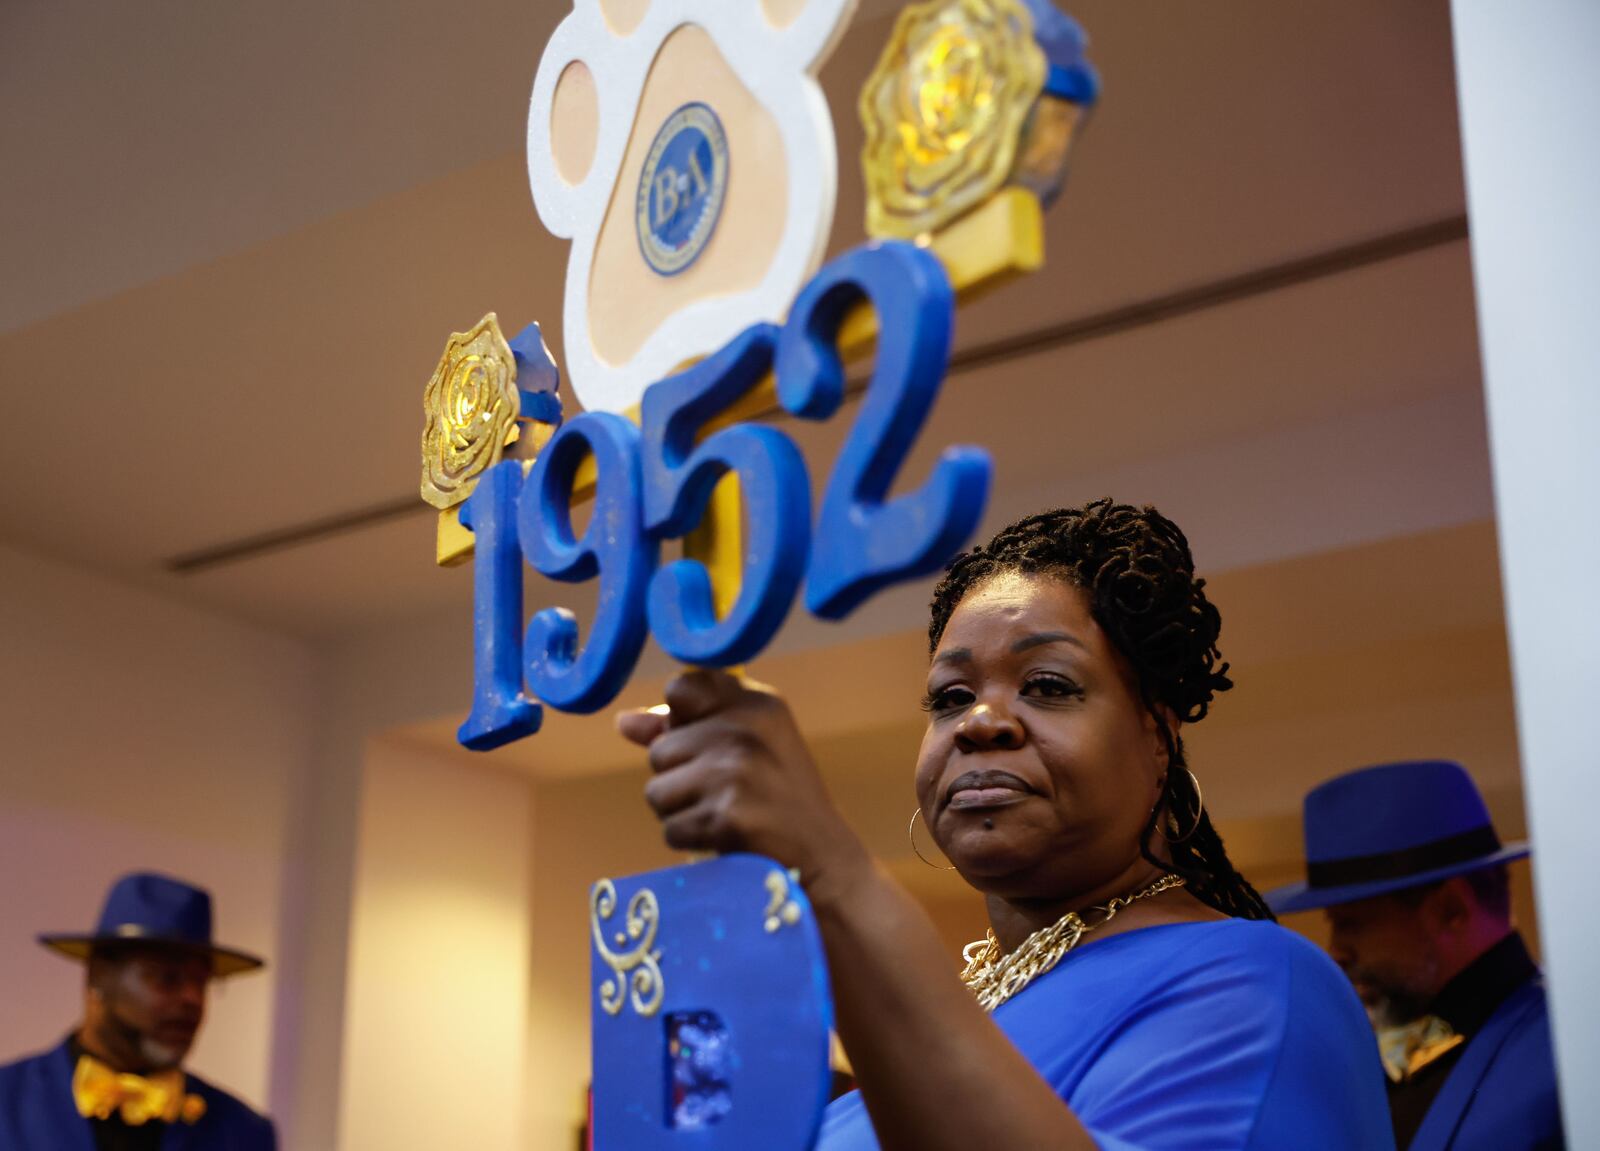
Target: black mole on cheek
(988,825)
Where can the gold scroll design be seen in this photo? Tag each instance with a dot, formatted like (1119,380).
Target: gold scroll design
(782,909)
(945,110)
(472,405)
(636,970)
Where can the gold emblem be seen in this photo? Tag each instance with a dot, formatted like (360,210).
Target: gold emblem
(472,405)
(637,967)
(944,111)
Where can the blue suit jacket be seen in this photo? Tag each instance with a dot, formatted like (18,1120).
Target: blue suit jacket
(1501,1095)
(37,1113)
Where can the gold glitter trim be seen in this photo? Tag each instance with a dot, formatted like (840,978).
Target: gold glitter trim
(637,968)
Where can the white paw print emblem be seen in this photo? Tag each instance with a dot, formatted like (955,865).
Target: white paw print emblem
(687,152)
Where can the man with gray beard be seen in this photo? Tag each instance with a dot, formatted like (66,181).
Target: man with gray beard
(1412,877)
(116,1083)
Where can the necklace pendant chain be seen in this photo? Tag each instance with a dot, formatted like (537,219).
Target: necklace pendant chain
(994,978)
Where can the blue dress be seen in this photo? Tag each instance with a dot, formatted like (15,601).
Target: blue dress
(1196,1036)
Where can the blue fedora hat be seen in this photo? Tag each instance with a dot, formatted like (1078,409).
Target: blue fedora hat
(1390,827)
(161,911)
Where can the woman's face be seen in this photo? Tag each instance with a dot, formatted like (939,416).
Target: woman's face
(1040,765)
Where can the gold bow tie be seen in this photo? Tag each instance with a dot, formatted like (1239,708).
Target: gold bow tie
(101,1092)
(1410,1047)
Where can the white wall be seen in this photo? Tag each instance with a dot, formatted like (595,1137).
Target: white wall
(435,1028)
(1530,96)
(141,734)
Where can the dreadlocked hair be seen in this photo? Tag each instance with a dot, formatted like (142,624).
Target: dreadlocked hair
(1135,567)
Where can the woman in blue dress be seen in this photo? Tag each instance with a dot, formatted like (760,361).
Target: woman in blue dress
(1132,992)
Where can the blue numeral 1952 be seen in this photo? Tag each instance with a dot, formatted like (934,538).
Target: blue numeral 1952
(654,483)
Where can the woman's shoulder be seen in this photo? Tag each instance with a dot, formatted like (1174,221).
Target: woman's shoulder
(1243,983)
(1259,939)
(1264,1020)
(1240,940)
(1231,955)
(1260,971)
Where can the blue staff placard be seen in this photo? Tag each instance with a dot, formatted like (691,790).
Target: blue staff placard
(710,1008)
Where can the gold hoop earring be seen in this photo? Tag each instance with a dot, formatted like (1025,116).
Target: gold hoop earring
(1194,824)
(911,830)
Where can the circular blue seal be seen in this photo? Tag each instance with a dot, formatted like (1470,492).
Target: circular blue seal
(681,189)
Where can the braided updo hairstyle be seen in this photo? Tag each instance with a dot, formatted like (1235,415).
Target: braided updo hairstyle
(1135,567)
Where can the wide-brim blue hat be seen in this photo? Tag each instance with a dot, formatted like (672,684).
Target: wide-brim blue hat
(1387,828)
(161,911)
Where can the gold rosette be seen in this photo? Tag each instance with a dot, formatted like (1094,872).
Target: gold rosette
(944,111)
(472,405)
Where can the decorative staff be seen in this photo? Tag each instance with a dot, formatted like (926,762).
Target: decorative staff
(686,151)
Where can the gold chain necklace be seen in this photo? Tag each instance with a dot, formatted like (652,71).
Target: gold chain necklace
(994,979)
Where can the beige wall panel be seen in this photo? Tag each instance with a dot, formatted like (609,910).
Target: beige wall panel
(436,995)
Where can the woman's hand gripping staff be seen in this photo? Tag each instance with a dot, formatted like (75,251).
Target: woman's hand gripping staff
(732,773)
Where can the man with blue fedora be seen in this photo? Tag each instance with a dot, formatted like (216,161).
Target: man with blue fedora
(1406,864)
(116,1083)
